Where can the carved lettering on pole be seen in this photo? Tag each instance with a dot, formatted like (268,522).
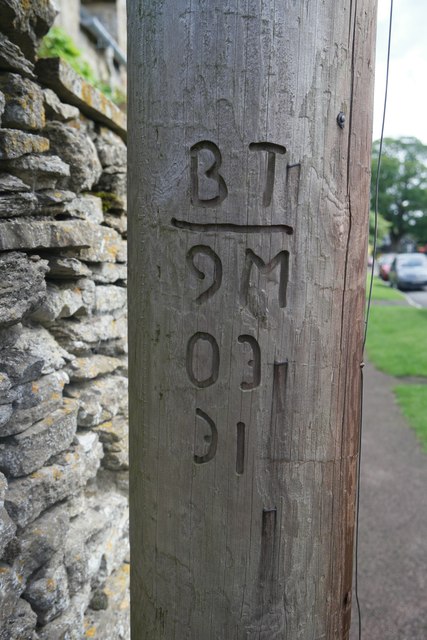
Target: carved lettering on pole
(208,189)
(254,363)
(272,150)
(212,438)
(231,227)
(280,260)
(268,537)
(209,175)
(240,448)
(192,362)
(279,439)
(204,250)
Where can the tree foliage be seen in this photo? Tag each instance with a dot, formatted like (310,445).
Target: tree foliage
(402,196)
(383,228)
(58,44)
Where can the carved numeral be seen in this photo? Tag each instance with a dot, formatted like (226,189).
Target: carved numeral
(202,383)
(268,538)
(280,441)
(240,449)
(212,438)
(204,250)
(254,363)
(209,175)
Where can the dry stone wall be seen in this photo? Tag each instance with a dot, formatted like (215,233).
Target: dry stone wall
(63,384)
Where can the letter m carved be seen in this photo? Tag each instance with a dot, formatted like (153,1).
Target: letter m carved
(280,261)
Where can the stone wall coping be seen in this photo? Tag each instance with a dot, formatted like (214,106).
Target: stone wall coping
(57,74)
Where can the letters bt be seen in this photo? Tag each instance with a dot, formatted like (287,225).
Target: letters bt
(214,181)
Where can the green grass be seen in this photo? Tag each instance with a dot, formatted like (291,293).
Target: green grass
(396,345)
(413,402)
(382,291)
(396,340)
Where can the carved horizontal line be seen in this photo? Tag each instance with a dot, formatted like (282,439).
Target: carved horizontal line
(233,228)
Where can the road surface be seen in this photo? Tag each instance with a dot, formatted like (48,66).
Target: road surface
(418,297)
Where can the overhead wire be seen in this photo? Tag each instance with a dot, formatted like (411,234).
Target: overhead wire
(368,309)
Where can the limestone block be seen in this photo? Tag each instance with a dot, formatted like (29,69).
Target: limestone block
(10,183)
(65,300)
(40,540)
(76,149)
(99,400)
(118,222)
(80,562)
(110,298)
(103,529)
(25,23)
(82,336)
(114,437)
(113,179)
(86,207)
(54,234)
(77,563)
(68,85)
(76,503)
(22,286)
(39,171)
(7,527)
(107,246)
(47,592)
(117,481)
(37,399)
(26,360)
(69,625)
(21,623)
(87,368)
(5,385)
(57,110)
(9,335)
(108,548)
(25,452)
(111,202)
(115,621)
(40,344)
(53,201)
(113,347)
(11,587)
(111,149)
(19,367)
(14,143)
(17,204)
(24,103)
(68,268)
(27,497)
(12,58)
(6,411)
(106,273)
(2,105)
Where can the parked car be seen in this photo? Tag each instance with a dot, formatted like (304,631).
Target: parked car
(408,271)
(384,264)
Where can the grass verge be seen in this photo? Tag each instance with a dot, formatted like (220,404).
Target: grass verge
(382,291)
(412,399)
(396,340)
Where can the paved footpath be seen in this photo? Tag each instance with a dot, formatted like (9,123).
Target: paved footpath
(393,520)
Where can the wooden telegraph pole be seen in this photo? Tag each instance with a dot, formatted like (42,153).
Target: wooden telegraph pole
(250,131)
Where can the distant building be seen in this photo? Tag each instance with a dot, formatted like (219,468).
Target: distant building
(98,27)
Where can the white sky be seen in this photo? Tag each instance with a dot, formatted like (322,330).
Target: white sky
(407,93)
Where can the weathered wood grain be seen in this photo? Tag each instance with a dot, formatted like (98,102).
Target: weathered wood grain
(248,230)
